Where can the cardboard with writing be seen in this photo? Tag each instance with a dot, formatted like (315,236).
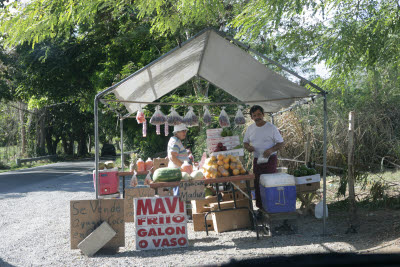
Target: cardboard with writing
(130,194)
(160,222)
(191,190)
(87,215)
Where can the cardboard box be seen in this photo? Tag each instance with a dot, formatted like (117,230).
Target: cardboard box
(160,163)
(202,205)
(242,184)
(300,188)
(198,222)
(230,220)
(230,142)
(214,133)
(228,196)
(230,204)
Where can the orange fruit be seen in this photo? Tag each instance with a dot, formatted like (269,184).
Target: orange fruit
(220,157)
(242,171)
(226,166)
(226,160)
(235,171)
(213,158)
(233,166)
(220,162)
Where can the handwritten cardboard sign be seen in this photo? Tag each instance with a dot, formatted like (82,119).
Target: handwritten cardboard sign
(160,222)
(87,215)
(130,194)
(191,190)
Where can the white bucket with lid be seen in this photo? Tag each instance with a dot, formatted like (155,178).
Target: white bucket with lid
(277,179)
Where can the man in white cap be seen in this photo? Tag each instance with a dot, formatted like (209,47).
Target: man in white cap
(177,153)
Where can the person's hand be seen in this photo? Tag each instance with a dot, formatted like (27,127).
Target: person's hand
(267,153)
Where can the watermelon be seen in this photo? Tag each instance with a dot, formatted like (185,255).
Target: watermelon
(167,175)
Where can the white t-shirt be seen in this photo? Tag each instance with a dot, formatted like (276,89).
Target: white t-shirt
(262,138)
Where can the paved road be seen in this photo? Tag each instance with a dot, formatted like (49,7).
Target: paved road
(16,181)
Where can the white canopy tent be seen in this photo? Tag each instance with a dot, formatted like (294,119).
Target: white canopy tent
(220,60)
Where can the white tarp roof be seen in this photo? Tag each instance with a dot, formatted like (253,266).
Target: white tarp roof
(217,60)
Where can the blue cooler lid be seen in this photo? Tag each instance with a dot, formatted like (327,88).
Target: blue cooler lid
(277,179)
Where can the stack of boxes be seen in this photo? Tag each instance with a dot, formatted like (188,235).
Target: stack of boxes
(223,220)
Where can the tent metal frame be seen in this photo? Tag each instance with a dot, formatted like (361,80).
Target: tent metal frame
(98,98)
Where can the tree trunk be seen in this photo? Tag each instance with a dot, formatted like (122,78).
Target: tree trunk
(82,146)
(23,129)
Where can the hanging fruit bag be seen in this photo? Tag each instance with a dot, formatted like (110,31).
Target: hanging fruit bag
(224,119)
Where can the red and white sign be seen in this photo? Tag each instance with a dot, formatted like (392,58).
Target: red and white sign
(160,222)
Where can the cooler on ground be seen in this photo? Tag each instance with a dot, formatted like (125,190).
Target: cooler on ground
(278,192)
(109,181)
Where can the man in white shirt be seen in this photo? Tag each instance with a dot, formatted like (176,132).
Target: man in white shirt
(264,140)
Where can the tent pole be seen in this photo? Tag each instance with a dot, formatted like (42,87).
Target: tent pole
(121,125)
(96,144)
(324,168)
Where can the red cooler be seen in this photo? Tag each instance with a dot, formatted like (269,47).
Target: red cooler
(109,181)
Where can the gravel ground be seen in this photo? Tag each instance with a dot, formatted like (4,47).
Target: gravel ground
(34,231)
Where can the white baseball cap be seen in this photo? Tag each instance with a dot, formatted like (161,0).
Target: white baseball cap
(180,127)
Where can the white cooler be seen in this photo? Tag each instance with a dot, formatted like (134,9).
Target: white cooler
(278,192)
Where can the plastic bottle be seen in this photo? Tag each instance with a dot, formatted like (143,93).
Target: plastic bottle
(186,167)
(141,166)
(149,164)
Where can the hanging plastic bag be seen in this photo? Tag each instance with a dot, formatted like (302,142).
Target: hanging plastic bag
(190,118)
(239,118)
(140,118)
(147,180)
(134,181)
(224,119)
(144,131)
(166,129)
(174,118)
(158,117)
(158,129)
(206,116)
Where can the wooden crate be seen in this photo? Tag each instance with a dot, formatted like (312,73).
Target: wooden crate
(307,187)
(202,205)
(198,222)
(229,204)
(230,220)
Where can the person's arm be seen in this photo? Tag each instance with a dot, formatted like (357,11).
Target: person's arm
(175,159)
(271,150)
(248,147)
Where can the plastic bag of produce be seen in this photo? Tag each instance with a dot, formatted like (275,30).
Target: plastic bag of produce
(174,118)
(140,118)
(239,118)
(166,129)
(206,116)
(158,129)
(147,180)
(158,117)
(144,131)
(224,119)
(190,118)
(134,181)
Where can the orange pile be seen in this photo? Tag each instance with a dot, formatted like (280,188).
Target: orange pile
(222,166)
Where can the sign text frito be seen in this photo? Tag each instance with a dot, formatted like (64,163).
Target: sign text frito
(160,222)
